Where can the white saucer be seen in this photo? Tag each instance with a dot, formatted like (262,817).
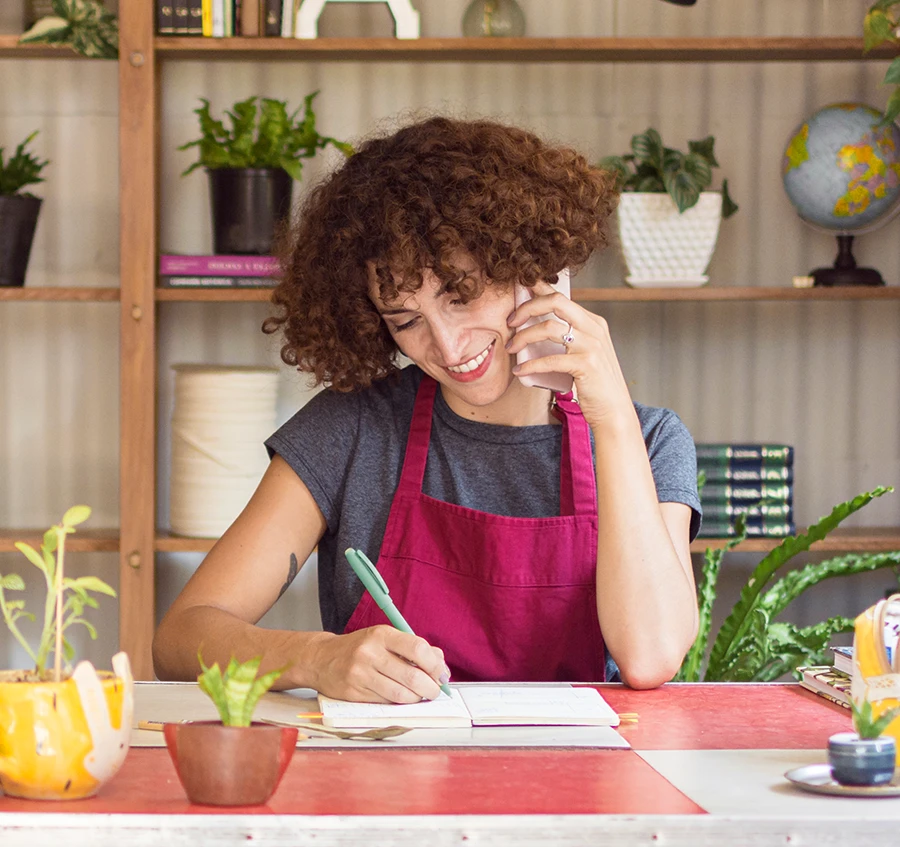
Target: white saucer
(818,779)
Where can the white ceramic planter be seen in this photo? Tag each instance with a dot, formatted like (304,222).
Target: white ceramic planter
(662,247)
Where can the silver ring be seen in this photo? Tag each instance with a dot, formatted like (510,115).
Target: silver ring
(568,337)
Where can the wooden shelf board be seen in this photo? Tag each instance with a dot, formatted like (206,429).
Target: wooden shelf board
(83,541)
(598,295)
(11,49)
(867,540)
(260,294)
(606,49)
(715,293)
(72,294)
(862,540)
(167,542)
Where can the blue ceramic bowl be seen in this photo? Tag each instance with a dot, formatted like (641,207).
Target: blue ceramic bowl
(861,761)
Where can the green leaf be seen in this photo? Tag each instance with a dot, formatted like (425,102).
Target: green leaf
(31,554)
(877,28)
(704,148)
(699,168)
(648,148)
(892,74)
(729,207)
(892,110)
(76,515)
(212,684)
(91,583)
(44,29)
(238,683)
(12,582)
(682,188)
(739,620)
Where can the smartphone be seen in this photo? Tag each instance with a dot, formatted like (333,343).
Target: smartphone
(554,381)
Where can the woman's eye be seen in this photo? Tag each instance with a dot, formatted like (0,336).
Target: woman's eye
(407,325)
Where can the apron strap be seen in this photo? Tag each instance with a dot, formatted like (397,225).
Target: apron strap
(418,439)
(577,483)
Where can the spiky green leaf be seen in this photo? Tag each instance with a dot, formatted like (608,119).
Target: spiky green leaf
(213,685)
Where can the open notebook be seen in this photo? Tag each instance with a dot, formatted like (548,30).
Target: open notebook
(480,705)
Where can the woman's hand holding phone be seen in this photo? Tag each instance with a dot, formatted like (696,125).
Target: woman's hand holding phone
(542,317)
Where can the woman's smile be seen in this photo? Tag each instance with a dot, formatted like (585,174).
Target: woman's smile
(474,367)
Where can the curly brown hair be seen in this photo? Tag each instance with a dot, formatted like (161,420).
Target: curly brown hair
(520,208)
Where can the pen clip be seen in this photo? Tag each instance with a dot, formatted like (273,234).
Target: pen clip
(371,570)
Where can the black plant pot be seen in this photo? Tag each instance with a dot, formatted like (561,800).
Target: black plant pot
(18,220)
(248,204)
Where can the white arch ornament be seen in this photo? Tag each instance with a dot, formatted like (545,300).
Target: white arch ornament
(406,18)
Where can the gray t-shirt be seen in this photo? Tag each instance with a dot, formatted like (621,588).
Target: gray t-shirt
(348,449)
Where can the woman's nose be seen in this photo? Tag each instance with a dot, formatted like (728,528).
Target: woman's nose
(448,341)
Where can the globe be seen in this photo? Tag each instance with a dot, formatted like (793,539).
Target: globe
(841,171)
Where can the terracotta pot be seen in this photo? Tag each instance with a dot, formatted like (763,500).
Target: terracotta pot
(64,740)
(229,765)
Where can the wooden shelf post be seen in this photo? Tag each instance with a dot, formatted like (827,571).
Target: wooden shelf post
(138,166)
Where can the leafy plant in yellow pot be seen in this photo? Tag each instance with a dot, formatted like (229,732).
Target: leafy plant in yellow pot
(63,732)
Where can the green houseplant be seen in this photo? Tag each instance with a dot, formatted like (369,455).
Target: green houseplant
(19,210)
(233,761)
(880,25)
(84,25)
(63,732)
(751,645)
(666,201)
(251,166)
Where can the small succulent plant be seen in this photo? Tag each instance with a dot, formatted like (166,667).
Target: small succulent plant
(865,724)
(237,691)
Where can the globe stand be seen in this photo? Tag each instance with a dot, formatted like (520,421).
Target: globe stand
(845,271)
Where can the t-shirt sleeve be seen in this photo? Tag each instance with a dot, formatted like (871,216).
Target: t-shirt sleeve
(318,442)
(673,461)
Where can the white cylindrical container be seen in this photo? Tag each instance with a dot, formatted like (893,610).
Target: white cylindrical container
(221,417)
(664,247)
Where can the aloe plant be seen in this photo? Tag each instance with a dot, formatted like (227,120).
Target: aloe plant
(21,169)
(655,168)
(750,644)
(84,25)
(865,724)
(65,600)
(237,691)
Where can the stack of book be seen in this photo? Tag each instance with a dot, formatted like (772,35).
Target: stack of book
(179,271)
(754,480)
(830,682)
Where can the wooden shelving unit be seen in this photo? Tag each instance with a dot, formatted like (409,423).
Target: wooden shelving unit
(141,53)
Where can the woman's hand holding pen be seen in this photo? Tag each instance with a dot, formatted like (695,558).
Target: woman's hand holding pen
(379,664)
(590,357)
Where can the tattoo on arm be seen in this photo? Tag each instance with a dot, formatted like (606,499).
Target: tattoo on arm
(292,572)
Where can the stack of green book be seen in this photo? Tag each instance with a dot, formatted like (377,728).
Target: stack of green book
(754,480)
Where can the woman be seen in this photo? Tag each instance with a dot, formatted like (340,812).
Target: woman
(513,552)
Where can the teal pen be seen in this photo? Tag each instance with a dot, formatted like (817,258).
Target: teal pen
(377,587)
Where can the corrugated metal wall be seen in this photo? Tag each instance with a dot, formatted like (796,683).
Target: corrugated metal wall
(824,377)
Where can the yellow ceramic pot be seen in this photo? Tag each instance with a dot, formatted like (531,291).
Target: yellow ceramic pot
(63,740)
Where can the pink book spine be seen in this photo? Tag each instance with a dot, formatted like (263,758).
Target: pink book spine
(174,265)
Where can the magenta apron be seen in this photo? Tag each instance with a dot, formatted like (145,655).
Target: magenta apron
(505,598)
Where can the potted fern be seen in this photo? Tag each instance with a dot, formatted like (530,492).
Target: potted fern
(233,761)
(668,220)
(19,210)
(63,732)
(252,165)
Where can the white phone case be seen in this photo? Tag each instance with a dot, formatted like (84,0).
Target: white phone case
(554,381)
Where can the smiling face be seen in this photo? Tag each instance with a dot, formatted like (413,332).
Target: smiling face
(461,345)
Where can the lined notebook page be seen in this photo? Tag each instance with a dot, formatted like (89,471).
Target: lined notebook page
(509,705)
(445,711)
